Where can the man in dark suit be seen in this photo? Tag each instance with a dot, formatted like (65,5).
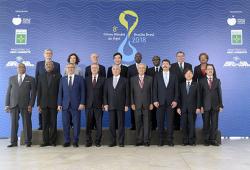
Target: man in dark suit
(211,105)
(94,105)
(151,72)
(178,68)
(188,107)
(40,69)
(142,104)
(132,71)
(165,97)
(47,93)
(116,101)
(94,60)
(20,98)
(117,57)
(71,99)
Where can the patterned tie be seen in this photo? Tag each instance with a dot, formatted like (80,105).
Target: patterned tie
(20,80)
(181,67)
(141,82)
(94,81)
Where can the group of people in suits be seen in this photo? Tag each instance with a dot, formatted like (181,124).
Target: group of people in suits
(166,92)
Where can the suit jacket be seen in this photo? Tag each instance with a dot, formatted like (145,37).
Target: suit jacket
(124,71)
(162,94)
(74,96)
(94,95)
(177,71)
(141,97)
(101,73)
(47,93)
(40,69)
(117,98)
(211,98)
(22,96)
(191,101)
(151,71)
(198,74)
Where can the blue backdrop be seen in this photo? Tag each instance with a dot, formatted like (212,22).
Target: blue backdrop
(218,27)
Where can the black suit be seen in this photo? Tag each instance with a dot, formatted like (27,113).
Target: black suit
(211,101)
(116,99)
(151,72)
(94,103)
(101,73)
(132,71)
(124,71)
(175,68)
(47,93)
(165,96)
(189,102)
(141,97)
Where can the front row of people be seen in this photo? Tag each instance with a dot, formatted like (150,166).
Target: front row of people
(71,94)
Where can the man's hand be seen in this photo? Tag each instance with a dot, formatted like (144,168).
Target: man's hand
(173,104)
(126,108)
(39,109)
(106,107)
(29,109)
(202,110)
(179,111)
(7,109)
(156,104)
(198,111)
(151,106)
(81,107)
(220,109)
(133,107)
(59,108)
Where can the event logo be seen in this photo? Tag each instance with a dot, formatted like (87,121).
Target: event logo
(236,62)
(124,22)
(17,20)
(21,37)
(231,21)
(236,37)
(19,59)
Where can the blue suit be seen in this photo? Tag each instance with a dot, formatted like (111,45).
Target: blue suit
(70,98)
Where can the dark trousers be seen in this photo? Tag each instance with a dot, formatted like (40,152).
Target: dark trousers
(210,126)
(162,113)
(121,125)
(132,115)
(153,118)
(40,120)
(143,125)
(177,120)
(76,115)
(49,117)
(188,126)
(27,124)
(94,114)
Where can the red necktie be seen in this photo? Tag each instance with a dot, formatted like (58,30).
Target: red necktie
(141,82)
(210,81)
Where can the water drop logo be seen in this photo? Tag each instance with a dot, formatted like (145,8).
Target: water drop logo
(124,22)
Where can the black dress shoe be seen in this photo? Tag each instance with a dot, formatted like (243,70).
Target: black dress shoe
(161,143)
(28,145)
(215,143)
(206,143)
(75,145)
(88,144)
(192,144)
(53,144)
(66,144)
(40,128)
(44,145)
(147,144)
(132,128)
(139,144)
(121,145)
(185,144)
(12,145)
(97,144)
(170,143)
(112,144)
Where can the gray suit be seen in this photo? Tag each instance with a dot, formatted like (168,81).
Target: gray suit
(18,98)
(142,98)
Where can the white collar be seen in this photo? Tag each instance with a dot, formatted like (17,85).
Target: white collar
(189,81)
(116,76)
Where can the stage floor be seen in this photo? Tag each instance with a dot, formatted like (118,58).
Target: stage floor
(231,155)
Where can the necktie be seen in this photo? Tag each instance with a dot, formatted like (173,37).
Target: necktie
(94,82)
(141,82)
(181,67)
(210,81)
(166,80)
(70,81)
(156,70)
(188,87)
(20,80)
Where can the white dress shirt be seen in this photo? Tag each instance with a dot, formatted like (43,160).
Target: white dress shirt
(72,78)
(166,77)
